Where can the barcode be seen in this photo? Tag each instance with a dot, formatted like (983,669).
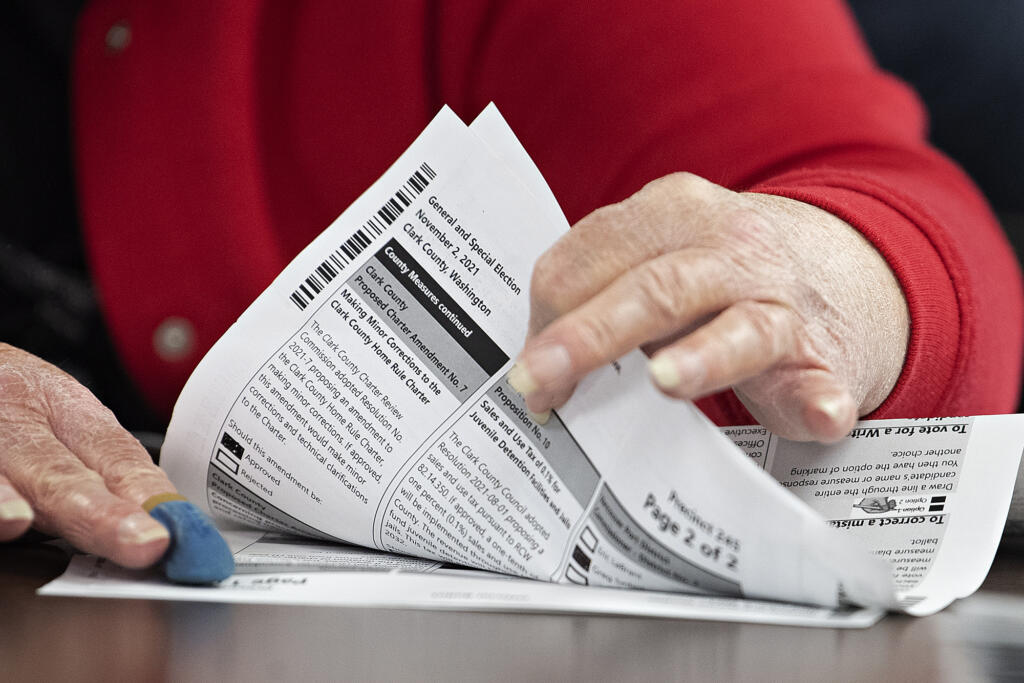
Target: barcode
(363,237)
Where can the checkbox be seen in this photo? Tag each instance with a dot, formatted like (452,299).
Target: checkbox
(589,539)
(582,559)
(237,449)
(227,461)
(575,576)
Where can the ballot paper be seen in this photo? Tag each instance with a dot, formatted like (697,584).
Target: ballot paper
(362,400)
(278,570)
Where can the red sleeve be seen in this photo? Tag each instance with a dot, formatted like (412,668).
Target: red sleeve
(777,97)
(243,127)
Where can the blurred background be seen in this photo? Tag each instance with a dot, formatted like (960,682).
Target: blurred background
(966,60)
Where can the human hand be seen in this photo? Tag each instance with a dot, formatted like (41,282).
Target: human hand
(69,469)
(782,301)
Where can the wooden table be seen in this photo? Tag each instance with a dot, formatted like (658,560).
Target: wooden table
(57,639)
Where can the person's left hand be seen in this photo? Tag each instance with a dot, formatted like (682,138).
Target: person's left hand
(782,301)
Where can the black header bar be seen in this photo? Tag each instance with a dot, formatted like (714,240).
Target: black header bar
(455,321)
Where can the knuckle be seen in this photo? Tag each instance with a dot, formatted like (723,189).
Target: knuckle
(639,213)
(756,244)
(563,275)
(547,273)
(662,286)
(771,325)
(51,482)
(550,281)
(665,202)
(747,249)
(605,218)
(690,183)
(681,184)
(593,339)
(88,424)
(598,227)
(18,391)
(746,226)
(126,472)
(30,385)
(10,355)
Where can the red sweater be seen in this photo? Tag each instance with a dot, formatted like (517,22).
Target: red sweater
(224,136)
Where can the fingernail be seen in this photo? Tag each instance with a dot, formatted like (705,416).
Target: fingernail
(678,371)
(15,511)
(831,407)
(540,367)
(140,528)
(540,418)
(13,508)
(828,413)
(520,380)
(664,372)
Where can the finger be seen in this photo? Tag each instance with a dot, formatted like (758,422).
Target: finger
(808,404)
(71,500)
(36,391)
(90,430)
(611,240)
(196,553)
(547,403)
(15,512)
(741,342)
(647,303)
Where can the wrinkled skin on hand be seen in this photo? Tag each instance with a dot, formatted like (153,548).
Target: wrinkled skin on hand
(69,469)
(782,301)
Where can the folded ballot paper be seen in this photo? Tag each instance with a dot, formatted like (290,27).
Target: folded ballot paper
(357,416)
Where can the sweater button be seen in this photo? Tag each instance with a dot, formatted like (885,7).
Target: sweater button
(118,37)
(174,339)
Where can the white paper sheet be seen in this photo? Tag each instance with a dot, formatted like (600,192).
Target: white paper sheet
(394,581)
(362,399)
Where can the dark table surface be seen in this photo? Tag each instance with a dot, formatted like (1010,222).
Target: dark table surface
(49,638)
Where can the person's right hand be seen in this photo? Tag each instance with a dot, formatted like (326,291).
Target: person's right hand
(786,304)
(69,469)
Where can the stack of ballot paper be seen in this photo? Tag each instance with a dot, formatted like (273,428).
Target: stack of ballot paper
(361,400)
